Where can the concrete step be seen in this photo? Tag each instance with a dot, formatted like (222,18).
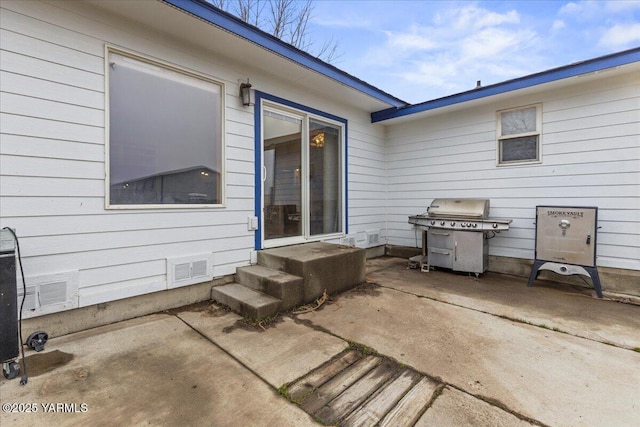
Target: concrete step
(284,286)
(247,302)
(322,266)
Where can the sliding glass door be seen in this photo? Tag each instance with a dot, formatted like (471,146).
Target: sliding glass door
(282,175)
(302,177)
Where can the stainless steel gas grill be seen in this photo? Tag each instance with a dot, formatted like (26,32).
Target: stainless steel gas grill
(456,234)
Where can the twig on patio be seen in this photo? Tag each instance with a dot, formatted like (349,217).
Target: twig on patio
(319,302)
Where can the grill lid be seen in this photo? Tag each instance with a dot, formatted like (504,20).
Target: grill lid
(459,208)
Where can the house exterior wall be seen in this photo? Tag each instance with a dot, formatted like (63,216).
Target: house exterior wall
(53,156)
(590,157)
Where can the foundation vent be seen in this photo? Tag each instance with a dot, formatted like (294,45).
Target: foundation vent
(49,293)
(189,270)
(373,238)
(348,241)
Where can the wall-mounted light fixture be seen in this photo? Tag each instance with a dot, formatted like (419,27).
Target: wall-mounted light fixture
(246,94)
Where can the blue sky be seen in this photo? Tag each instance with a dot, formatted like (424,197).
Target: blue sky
(422,50)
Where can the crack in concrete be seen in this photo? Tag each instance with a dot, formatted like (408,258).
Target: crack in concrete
(512,319)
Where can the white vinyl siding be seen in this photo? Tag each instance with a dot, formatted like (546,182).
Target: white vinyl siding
(52,154)
(591,158)
(52,157)
(367,180)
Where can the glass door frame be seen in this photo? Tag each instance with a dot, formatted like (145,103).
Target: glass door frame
(272,103)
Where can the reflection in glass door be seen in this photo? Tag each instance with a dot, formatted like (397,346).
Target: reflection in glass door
(282,175)
(325,207)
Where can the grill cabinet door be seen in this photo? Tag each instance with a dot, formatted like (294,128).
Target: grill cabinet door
(470,252)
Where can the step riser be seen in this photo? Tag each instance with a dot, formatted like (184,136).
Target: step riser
(245,301)
(291,276)
(326,267)
(288,288)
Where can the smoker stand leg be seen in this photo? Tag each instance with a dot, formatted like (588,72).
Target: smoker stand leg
(534,272)
(595,278)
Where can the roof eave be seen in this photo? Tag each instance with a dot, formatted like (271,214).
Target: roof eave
(232,24)
(564,72)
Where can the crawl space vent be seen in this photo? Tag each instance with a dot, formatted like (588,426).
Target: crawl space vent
(49,293)
(189,270)
(373,238)
(348,241)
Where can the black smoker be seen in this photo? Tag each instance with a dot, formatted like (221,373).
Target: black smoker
(9,342)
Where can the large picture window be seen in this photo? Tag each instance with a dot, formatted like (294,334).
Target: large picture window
(519,135)
(165,136)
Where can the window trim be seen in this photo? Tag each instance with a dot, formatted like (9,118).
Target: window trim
(109,49)
(537,132)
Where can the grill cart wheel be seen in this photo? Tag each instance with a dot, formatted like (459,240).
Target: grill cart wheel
(37,340)
(11,370)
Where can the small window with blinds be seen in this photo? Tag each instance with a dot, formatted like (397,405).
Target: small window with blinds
(519,133)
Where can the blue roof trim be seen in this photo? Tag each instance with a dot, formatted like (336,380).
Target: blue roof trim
(228,22)
(572,70)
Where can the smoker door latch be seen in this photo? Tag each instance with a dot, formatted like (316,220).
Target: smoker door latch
(588,239)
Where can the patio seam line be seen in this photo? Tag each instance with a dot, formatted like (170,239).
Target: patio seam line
(500,405)
(230,355)
(515,320)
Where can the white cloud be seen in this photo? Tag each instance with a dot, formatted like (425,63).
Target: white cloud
(343,22)
(457,48)
(493,42)
(621,5)
(558,24)
(621,35)
(412,40)
(598,10)
(570,9)
(476,18)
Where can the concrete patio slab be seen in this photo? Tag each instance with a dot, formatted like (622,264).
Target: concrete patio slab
(281,354)
(454,408)
(552,377)
(202,365)
(553,305)
(154,370)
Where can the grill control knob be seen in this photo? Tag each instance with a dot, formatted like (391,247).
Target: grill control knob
(495,225)
(475,225)
(453,223)
(441,222)
(433,222)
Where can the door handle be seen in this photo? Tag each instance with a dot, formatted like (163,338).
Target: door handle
(455,251)
(264,173)
(440,251)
